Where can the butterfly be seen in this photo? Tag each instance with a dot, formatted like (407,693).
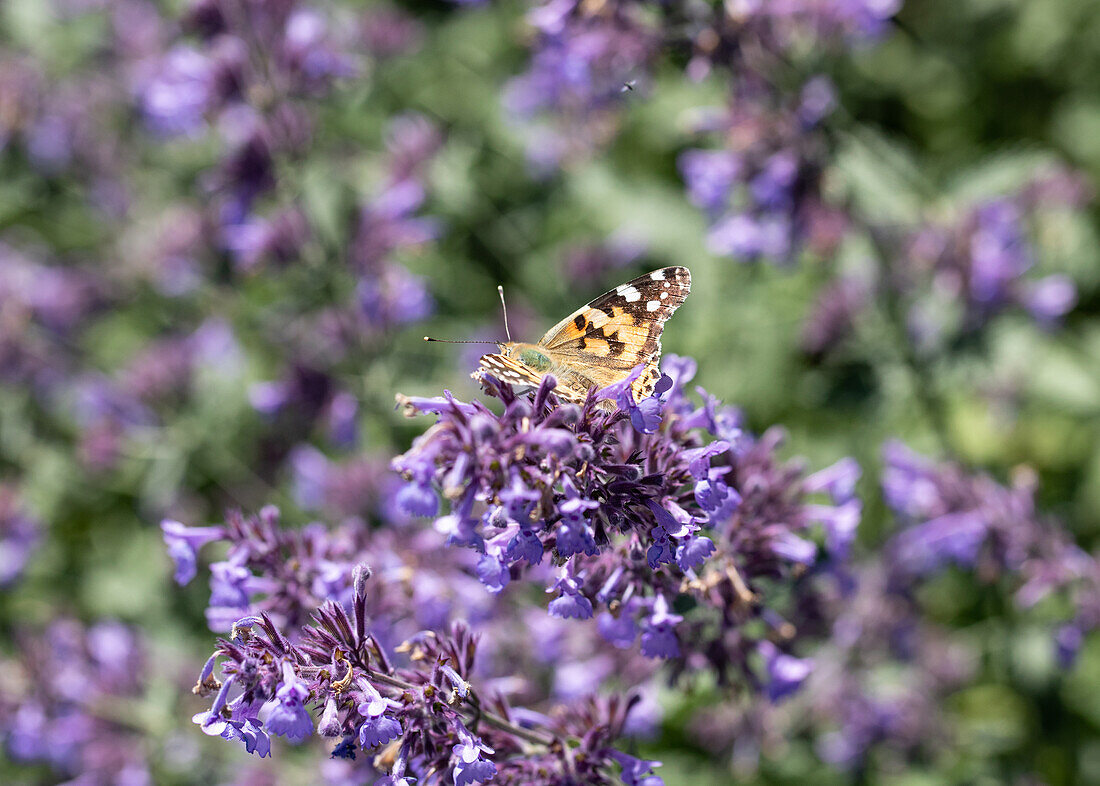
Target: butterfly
(600,343)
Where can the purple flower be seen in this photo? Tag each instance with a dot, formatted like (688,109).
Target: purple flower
(570,603)
(396,297)
(840,523)
(762,192)
(817,101)
(19,536)
(645,415)
(58,724)
(526,546)
(378,728)
(619,631)
(1068,640)
(275,660)
(268,398)
(175,99)
(311,472)
(310,52)
(771,188)
(277,238)
(637,772)
(953,537)
(980,261)
(418,499)
(786,673)
(229,585)
(953,517)
(343,412)
(377,731)
(289,716)
(693,552)
(241,725)
(518,499)
(469,767)
(330,724)
(710,176)
(1050,298)
(183,545)
(581,59)
(787,545)
(661,550)
(574,537)
(838,480)
(581,480)
(998,251)
(493,573)
(659,633)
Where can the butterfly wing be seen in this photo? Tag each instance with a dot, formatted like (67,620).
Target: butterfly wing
(621,329)
(512,372)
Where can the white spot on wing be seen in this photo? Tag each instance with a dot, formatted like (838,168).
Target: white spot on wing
(658,275)
(664,295)
(653,305)
(630,294)
(596,318)
(666,285)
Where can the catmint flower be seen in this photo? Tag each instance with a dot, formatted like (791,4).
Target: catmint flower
(645,415)
(377,728)
(418,499)
(289,716)
(838,480)
(762,201)
(575,537)
(691,506)
(982,259)
(1049,298)
(580,61)
(786,673)
(1068,640)
(492,572)
(183,545)
(659,633)
(342,415)
(176,98)
(58,682)
(229,585)
(619,631)
(394,780)
(950,538)
(693,552)
(19,536)
(570,603)
(277,238)
(638,772)
(526,546)
(419,695)
(709,176)
(469,766)
(952,517)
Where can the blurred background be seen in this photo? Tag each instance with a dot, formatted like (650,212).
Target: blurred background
(225,226)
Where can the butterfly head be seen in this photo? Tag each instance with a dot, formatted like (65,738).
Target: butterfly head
(529,355)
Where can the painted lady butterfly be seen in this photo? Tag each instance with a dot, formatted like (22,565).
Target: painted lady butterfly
(600,343)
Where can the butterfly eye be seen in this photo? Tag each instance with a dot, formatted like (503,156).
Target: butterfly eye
(535,360)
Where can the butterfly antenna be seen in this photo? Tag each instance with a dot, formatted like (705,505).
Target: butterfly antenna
(500,291)
(452,341)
